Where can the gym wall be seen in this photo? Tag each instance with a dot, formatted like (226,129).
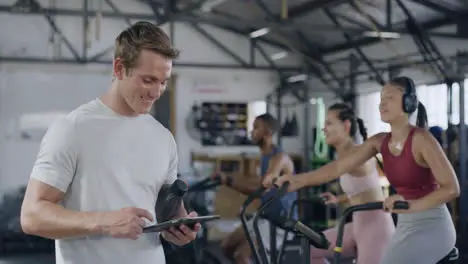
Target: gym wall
(38,88)
(296,144)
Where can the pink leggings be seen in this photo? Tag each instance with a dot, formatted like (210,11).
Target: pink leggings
(365,238)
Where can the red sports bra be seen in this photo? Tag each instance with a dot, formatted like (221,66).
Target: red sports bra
(408,178)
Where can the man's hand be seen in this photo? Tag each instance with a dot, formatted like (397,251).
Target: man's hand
(125,223)
(279,181)
(182,235)
(268,180)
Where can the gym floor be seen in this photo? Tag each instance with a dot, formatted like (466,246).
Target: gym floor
(45,258)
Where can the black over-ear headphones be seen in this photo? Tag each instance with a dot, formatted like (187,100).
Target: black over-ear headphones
(410,99)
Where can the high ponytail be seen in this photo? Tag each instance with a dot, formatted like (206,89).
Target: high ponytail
(362,129)
(363,132)
(421,118)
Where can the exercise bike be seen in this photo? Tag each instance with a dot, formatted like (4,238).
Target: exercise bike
(297,227)
(304,242)
(451,258)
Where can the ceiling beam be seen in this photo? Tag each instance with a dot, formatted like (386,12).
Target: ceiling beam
(366,41)
(310,6)
(453,11)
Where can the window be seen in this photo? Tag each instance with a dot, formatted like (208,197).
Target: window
(368,110)
(434,98)
(39,120)
(255,109)
(32,126)
(455,117)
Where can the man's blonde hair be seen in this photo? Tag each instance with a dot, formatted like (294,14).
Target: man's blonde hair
(142,36)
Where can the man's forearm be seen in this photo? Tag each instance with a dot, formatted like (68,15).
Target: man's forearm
(246,188)
(52,221)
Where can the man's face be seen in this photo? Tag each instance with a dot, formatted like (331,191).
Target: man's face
(260,132)
(145,83)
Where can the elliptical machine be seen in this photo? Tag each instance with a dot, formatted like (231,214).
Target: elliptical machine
(297,227)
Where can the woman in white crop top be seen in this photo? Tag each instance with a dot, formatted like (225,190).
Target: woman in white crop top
(370,231)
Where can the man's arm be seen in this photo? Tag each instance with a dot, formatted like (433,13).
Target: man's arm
(246,187)
(279,163)
(41,215)
(53,171)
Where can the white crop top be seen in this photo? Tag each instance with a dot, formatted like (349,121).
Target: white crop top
(352,185)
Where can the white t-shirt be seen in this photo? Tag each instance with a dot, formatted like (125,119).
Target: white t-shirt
(103,161)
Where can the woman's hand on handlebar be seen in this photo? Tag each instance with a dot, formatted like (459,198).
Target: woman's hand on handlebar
(390,201)
(329,198)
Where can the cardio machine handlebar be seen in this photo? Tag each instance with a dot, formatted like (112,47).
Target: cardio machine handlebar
(400,205)
(206,184)
(316,239)
(282,191)
(256,194)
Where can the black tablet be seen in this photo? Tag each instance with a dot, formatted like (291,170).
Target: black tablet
(188,221)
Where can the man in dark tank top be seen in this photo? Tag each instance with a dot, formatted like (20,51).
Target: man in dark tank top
(273,161)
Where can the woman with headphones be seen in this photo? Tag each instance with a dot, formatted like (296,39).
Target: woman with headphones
(415,165)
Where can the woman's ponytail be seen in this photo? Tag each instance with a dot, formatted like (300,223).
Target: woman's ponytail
(421,119)
(362,129)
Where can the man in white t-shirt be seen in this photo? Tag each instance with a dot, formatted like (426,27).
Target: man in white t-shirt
(99,170)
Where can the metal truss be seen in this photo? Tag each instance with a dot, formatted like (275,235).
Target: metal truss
(313,53)
(425,45)
(34,7)
(311,57)
(367,41)
(359,51)
(454,11)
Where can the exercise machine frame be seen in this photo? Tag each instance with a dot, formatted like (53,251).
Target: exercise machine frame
(288,224)
(199,246)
